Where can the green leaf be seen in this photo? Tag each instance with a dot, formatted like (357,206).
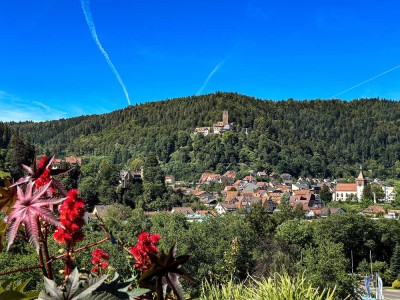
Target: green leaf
(91,286)
(73,282)
(100,296)
(12,295)
(31,295)
(137,292)
(5,284)
(22,286)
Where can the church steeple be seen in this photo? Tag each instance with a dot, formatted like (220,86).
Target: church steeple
(361,182)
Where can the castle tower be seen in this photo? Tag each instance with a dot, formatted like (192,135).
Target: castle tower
(361,182)
(225,119)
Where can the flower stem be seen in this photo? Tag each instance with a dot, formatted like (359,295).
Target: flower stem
(21,270)
(46,253)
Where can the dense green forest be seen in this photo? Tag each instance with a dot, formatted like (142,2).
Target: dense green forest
(316,138)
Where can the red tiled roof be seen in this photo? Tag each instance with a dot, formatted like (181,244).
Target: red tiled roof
(346,187)
(374,209)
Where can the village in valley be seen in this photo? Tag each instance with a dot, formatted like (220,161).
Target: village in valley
(219,194)
(274,190)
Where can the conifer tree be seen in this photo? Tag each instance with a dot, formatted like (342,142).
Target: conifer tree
(395,263)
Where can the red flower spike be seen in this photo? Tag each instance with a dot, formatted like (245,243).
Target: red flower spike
(99,258)
(71,216)
(147,244)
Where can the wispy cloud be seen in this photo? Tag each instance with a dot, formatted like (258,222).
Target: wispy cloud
(92,28)
(13,108)
(209,77)
(366,81)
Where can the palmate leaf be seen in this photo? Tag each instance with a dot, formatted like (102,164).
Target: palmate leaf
(8,197)
(28,208)
(168,268)
(122,290)
(76,289)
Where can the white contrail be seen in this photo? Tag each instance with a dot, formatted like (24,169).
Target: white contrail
(209,77)
(92,28)
(372,78)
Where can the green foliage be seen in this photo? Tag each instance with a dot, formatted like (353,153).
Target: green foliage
(4,175)
(276,287)
(326,267)
(325,194)
(19,151)
(126,223)
(14,290)
(344,133)
(261,221)
(395,263)
(355,232)
(372,192)
(296,232)
(396,202)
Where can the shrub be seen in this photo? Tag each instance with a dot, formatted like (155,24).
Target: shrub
(276,287)
(396,284)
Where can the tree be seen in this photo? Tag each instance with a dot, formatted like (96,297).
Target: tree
(396,201)
(377,192)
(88,190)
(261,221)
(325,194)
(152,172)
(153,183)
(296,232)
(19,152)
(395,263)
(327,267)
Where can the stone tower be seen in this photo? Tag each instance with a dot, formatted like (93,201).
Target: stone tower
(225,119)
(361,182)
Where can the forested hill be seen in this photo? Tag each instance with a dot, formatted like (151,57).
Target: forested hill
(315,137)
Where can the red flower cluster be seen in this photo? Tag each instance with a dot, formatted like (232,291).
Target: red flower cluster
(99,259)
(44,178)
(71,217)
(147,243)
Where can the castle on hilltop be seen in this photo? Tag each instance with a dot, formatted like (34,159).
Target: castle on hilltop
(218,127)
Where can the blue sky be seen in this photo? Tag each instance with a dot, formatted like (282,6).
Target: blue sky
(52,68)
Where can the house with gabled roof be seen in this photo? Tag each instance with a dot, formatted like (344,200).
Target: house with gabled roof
(229,175)
(327,211)
(374,210)
(250,179)
(209,178)
(230,196)
(223,208)
(183,210)
(304,198)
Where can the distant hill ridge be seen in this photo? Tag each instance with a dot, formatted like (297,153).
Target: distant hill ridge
(313,137)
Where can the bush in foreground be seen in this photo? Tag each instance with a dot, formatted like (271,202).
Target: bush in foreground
(277,287)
